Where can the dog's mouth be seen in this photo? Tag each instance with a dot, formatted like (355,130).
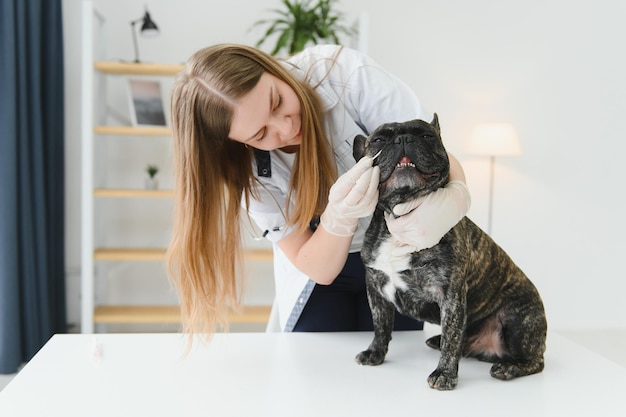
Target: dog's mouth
(405,162)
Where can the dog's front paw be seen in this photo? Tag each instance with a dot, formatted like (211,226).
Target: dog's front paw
(370,357)
(442,381)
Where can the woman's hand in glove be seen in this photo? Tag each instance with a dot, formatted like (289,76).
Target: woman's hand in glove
(421,223)
(354,195)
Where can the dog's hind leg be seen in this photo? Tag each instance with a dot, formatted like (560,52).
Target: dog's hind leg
(524,336)
(521,363)
(509,370)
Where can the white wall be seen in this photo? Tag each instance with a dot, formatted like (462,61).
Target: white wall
(553,69)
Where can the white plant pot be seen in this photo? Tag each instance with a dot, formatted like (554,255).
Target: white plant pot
(152,183)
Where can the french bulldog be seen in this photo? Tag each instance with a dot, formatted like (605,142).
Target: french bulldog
(486,306)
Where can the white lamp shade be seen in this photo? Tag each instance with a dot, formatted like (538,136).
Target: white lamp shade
(494,139)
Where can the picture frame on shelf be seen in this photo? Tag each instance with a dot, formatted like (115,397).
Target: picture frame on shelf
(146,103)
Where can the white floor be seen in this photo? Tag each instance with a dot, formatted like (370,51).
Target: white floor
(608,343)
(4,380)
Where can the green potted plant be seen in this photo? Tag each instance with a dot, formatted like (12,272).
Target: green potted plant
(152,183)
(304,22)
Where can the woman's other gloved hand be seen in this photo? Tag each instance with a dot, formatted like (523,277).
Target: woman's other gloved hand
(421,223)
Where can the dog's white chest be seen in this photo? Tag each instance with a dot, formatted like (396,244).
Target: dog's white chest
(391,266)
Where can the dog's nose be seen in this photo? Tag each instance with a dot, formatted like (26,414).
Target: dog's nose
(403,139)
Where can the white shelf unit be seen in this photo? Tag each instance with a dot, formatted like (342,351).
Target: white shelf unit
(94,129)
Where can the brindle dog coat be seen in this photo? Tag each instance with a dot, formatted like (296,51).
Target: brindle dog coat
(486,306)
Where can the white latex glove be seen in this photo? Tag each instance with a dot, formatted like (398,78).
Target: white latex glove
(424,221)
(354,195)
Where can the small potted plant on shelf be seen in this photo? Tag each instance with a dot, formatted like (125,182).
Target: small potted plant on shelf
(152,183)
(303,23)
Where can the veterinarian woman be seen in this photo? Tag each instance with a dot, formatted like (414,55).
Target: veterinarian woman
(272,139)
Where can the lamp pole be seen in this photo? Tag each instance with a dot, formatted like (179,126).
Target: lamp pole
(493,139)
(492,161)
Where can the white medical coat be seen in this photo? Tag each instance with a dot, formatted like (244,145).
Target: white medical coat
(357,96)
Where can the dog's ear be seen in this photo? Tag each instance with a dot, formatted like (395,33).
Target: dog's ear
(358,147)
(435,123)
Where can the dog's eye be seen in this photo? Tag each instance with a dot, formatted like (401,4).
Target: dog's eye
(377,139)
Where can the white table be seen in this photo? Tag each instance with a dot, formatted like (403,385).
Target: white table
(303,374)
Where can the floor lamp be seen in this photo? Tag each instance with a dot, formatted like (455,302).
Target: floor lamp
(493,139)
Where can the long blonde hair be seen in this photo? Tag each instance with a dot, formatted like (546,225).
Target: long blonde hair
(212,174)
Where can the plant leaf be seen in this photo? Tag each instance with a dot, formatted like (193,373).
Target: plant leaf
(301,22)
(282,40)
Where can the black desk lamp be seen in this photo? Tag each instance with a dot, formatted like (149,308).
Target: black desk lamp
(148,28)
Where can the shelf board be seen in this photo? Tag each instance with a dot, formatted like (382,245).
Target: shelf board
(169,314)
(133,130)
(121,192)
(129,254)
(158,254)
(133,68)
(259,254)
